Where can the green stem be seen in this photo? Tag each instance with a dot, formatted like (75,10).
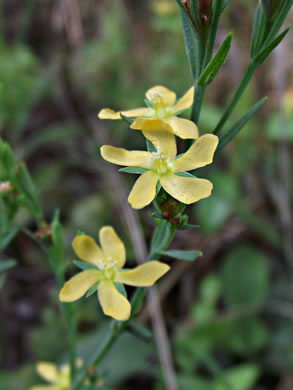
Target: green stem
(197,102)
(244,82)
(70,317)
(69,313)
(116,329)
(213,31)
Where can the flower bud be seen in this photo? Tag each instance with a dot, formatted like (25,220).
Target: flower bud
(270,6)
(171,210)
(5,186)
(205,10)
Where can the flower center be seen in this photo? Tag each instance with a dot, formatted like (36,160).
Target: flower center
(157,100)
(108,268)
(161,164)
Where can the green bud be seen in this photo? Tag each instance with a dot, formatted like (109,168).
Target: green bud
(171,210)
(270,6)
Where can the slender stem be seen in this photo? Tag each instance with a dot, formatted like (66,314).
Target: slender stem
(244,82)
(116,329)
(69,313)
(197,102)
(213,31)
(70,317)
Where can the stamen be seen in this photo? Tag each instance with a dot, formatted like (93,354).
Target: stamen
(161,164)
(104,265)
(157,100)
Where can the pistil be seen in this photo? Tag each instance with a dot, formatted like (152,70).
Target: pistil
(161,164)
(157,100)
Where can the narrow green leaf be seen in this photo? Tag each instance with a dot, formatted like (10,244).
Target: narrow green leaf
(193,19)
(163,231)
(278,20)
(7,264)
(216,63)
(184,174)
(140,331)
(136,170)
(29,189)
(225,3)
(127,120)
(4,221)
(190,44)
(230,134)
(157,216)
(8,237)
(148,103)
(158,188)
(187,226)
(92,290)
(120,287)
(151,148)
(262,56)
(84,266)
(7,159)
(137,301)
(182,255)
(258,29)
(57,237)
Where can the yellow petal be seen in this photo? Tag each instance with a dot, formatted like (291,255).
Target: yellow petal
(77,286)
(107,113)
(186,189)
(113,303)
(163,141)
(184,102)
(47,371)
(87,250)
(144,190)
(121,156)
(168,96)
(183,128)
(112,246)
(201,153)
(144,275)
(48,387)
(151,124)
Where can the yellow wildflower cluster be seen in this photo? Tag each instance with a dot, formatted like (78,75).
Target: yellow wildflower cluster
(103,266)
(160,125)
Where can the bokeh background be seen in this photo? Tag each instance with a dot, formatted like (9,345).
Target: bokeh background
(229,314)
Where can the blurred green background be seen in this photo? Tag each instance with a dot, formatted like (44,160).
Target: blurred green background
(230,313)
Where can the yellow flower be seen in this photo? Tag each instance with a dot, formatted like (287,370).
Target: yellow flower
(59,379)
(163,167)
(162,115)
(106,265)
